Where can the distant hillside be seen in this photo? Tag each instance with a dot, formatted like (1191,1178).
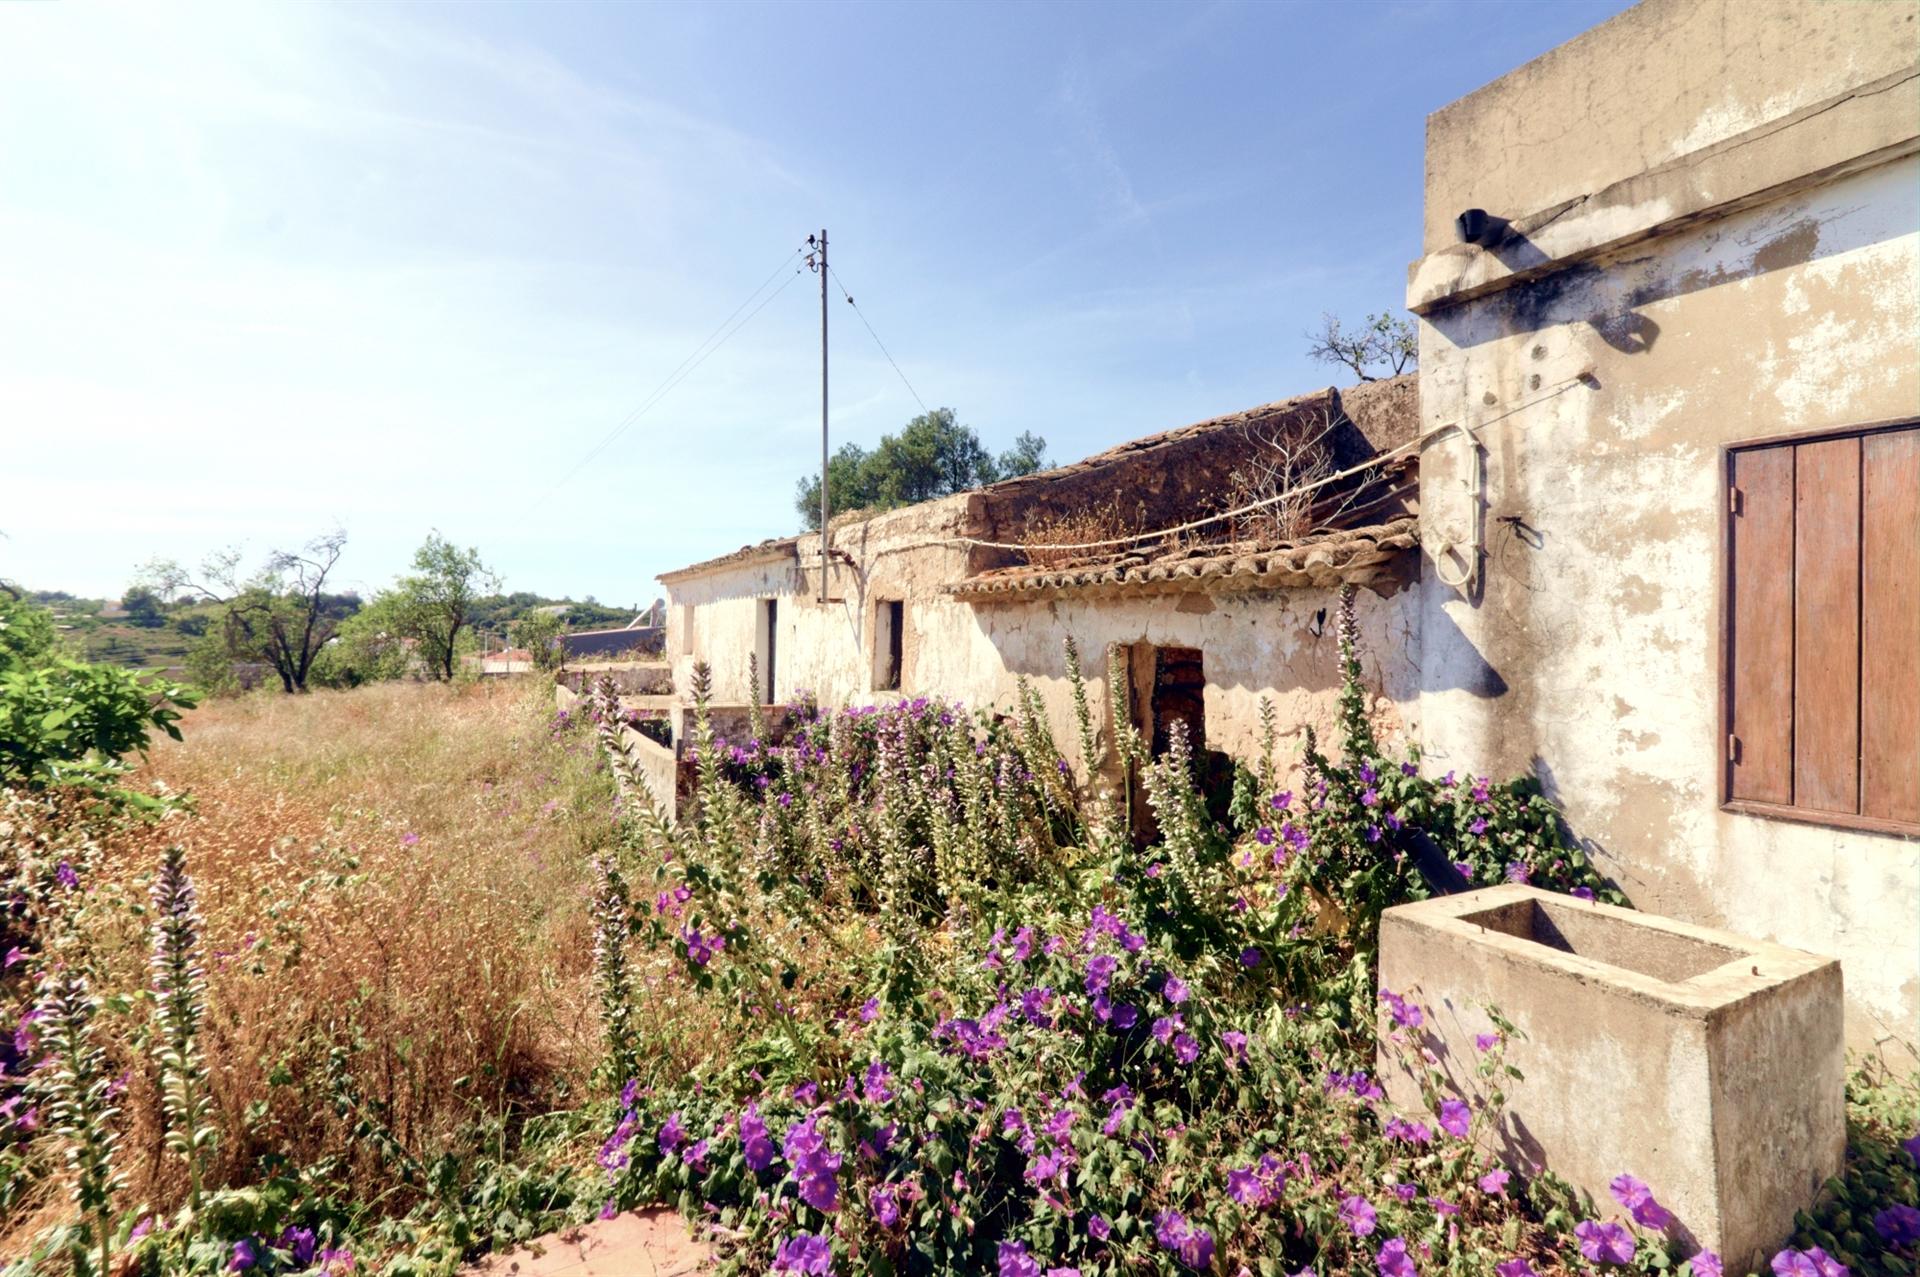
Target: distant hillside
(147,633)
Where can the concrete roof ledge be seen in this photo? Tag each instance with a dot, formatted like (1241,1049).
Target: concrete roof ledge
(1860,129)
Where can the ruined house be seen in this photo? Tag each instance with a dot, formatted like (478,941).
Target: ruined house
(946,598)
(1657,535)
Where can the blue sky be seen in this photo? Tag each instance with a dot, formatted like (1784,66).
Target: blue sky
(273,268)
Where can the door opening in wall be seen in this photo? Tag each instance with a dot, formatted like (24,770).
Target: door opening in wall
(889,644)
(1167,686)
(765,643)
(1179,696)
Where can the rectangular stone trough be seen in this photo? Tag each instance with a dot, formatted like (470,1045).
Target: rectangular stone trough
(1706,1064)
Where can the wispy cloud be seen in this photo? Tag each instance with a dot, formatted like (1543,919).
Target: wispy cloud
(1090,157)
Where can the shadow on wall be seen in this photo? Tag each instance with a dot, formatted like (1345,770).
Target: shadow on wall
(1608,298)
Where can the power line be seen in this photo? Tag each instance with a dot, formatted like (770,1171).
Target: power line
(876,340)
(716,339)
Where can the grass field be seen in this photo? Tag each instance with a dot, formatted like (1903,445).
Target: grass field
(393,877)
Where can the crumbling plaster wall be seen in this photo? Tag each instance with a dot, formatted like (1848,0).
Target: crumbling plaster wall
(1660,82)
(1276,644)
(1604,517)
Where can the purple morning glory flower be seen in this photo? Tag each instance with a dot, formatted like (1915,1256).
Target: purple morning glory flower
(1514,1268)
(886,1210)
(1100,969)
(1455,1118)
(1394,1260)
(1357,1213)
(244,1256)
(1251,957)
(1494,1182)
(1175,990)
(1405,1013)
(805,1253)
(1898,1225)
(1811,1262)
(1583,893)
(1016,1262)
(1637,1198)
(1706,1264)
(1097,1226)
(754,1144)
(1609,1243)
(1194,1246)
(1407,1132)
(1485,1041)
(1244,1186)
(300,1244)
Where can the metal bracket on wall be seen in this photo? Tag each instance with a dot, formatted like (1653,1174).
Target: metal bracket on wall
(1468,554)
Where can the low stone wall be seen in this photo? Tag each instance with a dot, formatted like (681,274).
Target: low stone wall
(1708,1065)
(661,768)
(637,679)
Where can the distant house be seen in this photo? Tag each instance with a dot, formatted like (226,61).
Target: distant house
(643,636)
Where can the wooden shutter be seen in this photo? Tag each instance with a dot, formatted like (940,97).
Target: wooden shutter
(1826,625)
(1890,627)
(1823,628)
(1760,627)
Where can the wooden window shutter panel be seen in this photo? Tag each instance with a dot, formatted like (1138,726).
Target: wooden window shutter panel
(1760,627)
(1890,627)
(1826,625)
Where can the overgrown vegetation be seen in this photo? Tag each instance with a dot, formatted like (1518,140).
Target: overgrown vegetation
(902,995)
(68,724)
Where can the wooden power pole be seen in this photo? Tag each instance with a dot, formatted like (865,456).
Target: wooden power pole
(820,264)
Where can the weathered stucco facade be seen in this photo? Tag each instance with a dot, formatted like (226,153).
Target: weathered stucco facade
(1729,251)
(1702,227)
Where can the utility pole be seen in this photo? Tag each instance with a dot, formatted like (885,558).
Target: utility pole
(818,261)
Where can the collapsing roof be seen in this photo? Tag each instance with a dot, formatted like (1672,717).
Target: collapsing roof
(1028,536)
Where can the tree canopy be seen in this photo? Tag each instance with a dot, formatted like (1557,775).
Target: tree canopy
(281,615)
(932,456)
(1385,340)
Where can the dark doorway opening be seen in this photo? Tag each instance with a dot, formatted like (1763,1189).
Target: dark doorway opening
(889,644)
(769,629)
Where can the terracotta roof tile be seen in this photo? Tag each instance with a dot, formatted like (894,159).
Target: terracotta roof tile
(1357,556)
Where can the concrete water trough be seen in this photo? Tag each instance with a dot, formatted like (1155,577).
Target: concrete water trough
(1709,1065)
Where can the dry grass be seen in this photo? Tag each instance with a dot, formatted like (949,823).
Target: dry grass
(398,871)
(1074,527)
